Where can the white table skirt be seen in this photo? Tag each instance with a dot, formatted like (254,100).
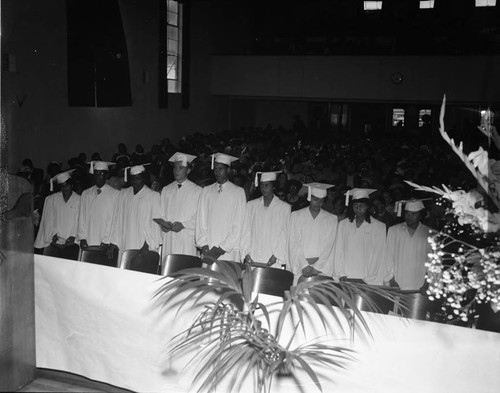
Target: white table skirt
(101,323)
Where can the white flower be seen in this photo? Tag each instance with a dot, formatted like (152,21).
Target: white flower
(480,160)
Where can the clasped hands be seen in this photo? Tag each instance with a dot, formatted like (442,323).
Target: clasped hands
(69,241)
(210,255)
(172,226)
(248,260)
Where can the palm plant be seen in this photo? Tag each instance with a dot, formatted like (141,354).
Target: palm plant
(232,334)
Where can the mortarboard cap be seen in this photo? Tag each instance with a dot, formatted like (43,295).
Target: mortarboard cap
(317,189)
(411,205)
(265,176)
(135,170)
(60,178)
(358,193)
(99,166)
(223,159)
(184,158)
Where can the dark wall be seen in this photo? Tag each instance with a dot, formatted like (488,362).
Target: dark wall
(40,123)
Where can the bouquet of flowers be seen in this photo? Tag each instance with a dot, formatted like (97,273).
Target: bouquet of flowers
(463,268)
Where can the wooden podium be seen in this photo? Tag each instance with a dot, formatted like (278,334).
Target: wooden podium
(17,310)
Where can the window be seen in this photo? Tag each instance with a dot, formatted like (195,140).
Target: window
(486,3)
(398,117)
(174,45)
(421,119)
(372,5)
(426,4)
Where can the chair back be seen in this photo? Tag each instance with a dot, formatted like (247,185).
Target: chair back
(414,305)
(68,252)
(373,302)
(175,262)
(97,255)
(271,281)
(238,267)
(146,262)
(318,278)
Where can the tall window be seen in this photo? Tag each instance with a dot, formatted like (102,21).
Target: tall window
(174,46)
(398,117)
(421,119)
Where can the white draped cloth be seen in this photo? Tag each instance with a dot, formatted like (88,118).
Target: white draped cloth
(133,224)
(58,218)
(359,252)
(219,218)
(180,205)
(265,230)
(407,254)
(312,238)
(96,214)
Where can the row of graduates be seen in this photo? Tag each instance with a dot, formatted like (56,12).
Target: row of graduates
(216,222)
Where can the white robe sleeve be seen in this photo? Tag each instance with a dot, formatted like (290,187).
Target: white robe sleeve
(390,255)
(281,242)
(191,222)
(232,240)
(376,265)
(246,232)
(152,231)
(201,233)
(296,255)
(83,217)
(339,253)
(325,261)
(47,224)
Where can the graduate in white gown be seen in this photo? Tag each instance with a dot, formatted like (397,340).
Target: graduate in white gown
(59,223)
(97,208)
(360,247)
(407,248)
(265,227)
(312,236)
(133,226)
(221,210)
(179,203)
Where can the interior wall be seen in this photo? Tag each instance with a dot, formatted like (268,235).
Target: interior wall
(467,79)
(42,126)
(280,113)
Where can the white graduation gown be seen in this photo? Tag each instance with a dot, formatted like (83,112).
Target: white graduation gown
(312,238)
(265,230)
(58,218)
(133,224)
(180,204)
(407,254)
(219,218)
(359,252)
(96,214)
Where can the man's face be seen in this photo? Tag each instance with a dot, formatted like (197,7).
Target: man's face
(316,203)
(180,172)
(137,182)
(100,178)
(281,195)
(66,188)
(412,218)
(221,172)
(360,209)
(266,188)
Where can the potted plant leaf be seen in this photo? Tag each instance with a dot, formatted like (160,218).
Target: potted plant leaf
(236,336)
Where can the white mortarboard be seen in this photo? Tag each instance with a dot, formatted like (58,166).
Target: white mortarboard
(223,159)
(134,170)
(358,193)
(183,157)
(411,205)
(99,166)
(317,189)
(265,176)
(60,178)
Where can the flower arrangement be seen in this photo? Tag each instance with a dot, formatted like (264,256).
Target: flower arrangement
(464,265)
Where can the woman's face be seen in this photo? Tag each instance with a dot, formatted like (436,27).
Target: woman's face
(360,209)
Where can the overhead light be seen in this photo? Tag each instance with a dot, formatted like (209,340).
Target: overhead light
(486,3)
(372,5)
(426,4)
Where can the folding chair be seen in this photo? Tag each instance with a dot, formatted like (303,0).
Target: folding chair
(175,262)
(271,281)
(68,252)
(146,262)
(97,255)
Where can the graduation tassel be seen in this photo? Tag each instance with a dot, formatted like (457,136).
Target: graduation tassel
(257,178)
(213,159)
(51,184)
(347,198)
